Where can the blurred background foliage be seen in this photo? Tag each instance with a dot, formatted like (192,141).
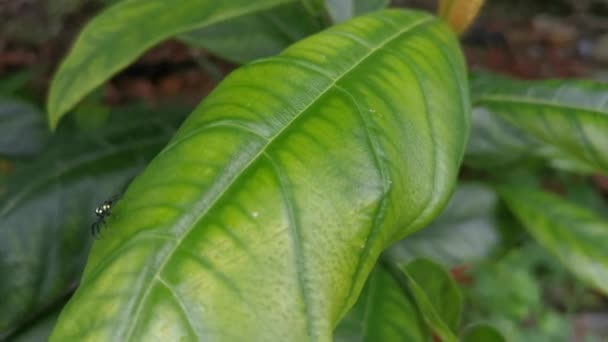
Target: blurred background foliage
(505,277)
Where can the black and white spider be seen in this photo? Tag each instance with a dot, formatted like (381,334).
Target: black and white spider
(102,212)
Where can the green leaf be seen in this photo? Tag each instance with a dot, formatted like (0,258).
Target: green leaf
(22,128)
(47,208)
(342,10)
(13,83)
(465,232)
(576,236)
(121,33)
(518,301)
(270,206)
(437,295)
(482,333)
(40,330)
(383,312)
(261,34)
(563,121)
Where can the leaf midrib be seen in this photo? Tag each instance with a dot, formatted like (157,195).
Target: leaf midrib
(194,222)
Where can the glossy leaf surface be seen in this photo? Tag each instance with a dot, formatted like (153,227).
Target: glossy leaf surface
(383,312)
(121,33)
(465,232)
(437,296)
(576,236)
(272,203)
(46,208)
(261,34)
(565,122)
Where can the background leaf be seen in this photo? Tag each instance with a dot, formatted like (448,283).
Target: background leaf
(342,10)
(558,120)
(272,203)
(383,312)
(482,333)
(22,128)
(437,296)
(261,34)
(47,208)
(39,330)
(576,236)
(465,232)
(117,36)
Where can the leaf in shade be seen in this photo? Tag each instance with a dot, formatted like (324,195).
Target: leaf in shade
(383,312)
(465,232)
(47,207)
(437,296)
(22,128)
(342,10)
(272,203)
(261,34)
(482,333)
(39,330)
(564,121)
(576,236)
(121,33)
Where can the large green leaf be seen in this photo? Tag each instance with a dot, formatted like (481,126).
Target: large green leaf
(383,312)
(261,34)
(574,235)
(272,203)
(121,33)
(437,296)
(47,207)
(564,121)
(465,232)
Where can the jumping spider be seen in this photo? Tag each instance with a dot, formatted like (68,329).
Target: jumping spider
(102,212)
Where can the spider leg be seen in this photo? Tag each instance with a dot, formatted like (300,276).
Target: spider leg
(94,228)
(103,225)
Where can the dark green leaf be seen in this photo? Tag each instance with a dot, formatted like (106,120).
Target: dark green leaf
(342,10)
(261,34)
(22,128)
(121,33)
(13,83)
(583,193)
(576,236)
(482,333)
(383,312)
(270,206)
(437,296)
(47,208)
(40,330)
(465,232)
(565,122)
